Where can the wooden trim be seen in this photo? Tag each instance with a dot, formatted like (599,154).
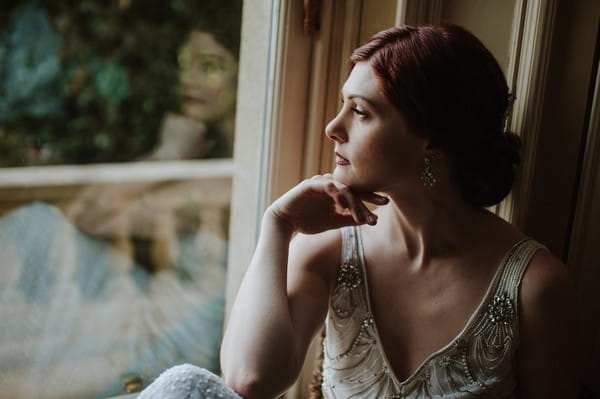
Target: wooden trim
(330,49)
(312,15)
(516,39)
(260,23)
(290,96)
(531,71)
(506,208)
(316,107)
(587,188)
(583,248)
(434,12)
(419,12)
(401,11)
(329,70)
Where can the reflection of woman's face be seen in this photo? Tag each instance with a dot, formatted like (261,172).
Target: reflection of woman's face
(374,149)
(208,73)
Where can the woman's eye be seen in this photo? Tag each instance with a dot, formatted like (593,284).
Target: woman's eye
(356,110)
(359,112)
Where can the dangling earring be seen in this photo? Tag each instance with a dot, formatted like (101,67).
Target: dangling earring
(427,177)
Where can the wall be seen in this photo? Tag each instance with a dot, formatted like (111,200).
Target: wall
(563,123)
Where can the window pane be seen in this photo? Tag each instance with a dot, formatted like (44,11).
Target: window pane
(92,81)
(114,270)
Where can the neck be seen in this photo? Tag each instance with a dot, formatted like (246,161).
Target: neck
(428,224)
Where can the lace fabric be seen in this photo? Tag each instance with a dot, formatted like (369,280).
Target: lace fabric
(186,381)
(480,361)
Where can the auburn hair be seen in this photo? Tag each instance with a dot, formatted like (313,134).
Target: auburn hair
(452,91)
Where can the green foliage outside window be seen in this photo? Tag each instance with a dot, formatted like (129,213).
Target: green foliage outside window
(88,81)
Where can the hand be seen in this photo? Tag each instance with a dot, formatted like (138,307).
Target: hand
(310,207)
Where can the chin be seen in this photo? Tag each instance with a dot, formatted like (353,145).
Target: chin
(342,176)
(350,180)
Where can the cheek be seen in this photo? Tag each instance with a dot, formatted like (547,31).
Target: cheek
(386,150)
(395,155)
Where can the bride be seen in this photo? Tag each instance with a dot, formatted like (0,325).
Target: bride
(425,294)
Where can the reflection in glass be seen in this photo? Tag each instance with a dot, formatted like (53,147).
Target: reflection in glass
(90,81)
(103,286)
(124,281)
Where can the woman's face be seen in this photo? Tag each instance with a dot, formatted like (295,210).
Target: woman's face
(374,149)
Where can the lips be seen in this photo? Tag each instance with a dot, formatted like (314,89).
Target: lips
(340,160)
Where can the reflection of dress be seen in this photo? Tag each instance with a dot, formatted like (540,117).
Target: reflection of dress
(479,362)
(83,317)
(188,382)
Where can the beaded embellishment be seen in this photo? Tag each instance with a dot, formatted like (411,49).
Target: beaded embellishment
(500,310)
(479,362)
(349,276)
(427,177)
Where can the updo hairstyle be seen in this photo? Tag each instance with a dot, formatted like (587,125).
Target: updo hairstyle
(452,91)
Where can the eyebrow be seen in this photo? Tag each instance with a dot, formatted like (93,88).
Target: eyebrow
(352,96)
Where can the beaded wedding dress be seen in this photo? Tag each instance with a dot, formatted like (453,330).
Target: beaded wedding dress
(479,362)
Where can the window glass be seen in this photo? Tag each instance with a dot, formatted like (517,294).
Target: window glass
(116,133)
(92,81)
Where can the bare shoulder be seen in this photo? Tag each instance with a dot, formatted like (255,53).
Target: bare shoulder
(546,282)
(547,295)
(317,253)
(549,353)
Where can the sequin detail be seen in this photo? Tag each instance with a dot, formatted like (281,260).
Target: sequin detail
(349,276)
(500,310)
(366,323)
(479,362)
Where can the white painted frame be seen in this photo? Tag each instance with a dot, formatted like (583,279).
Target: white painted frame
(532,35)
(260,21)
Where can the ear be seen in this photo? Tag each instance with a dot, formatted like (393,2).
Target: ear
(432,149)
(433,152)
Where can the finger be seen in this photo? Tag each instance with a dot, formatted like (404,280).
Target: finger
(339,220)
(341,201)
(360,210)
(338,193)
(347,200)
(374,198)
(344,197)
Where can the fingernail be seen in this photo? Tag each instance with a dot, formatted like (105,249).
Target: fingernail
(372,219)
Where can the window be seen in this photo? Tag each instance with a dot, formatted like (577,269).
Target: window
(128,212)
(116,141)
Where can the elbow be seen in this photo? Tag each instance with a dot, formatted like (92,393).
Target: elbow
(250,386)
(254,377)
(258,383)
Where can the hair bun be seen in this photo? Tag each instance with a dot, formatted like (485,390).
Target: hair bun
(508,145)
(488,176)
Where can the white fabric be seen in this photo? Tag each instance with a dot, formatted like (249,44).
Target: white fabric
(479,362)
(188,382)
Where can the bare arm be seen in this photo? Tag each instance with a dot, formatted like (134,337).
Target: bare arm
(283,299)
(549,355)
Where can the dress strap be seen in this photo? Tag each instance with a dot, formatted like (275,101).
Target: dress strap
(350,245)
(502,304)
(515,264)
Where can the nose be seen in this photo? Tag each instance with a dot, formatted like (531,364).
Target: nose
(336,130)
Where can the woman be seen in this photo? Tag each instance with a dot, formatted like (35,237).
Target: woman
(429,295)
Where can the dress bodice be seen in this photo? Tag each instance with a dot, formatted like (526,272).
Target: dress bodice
(479,362)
